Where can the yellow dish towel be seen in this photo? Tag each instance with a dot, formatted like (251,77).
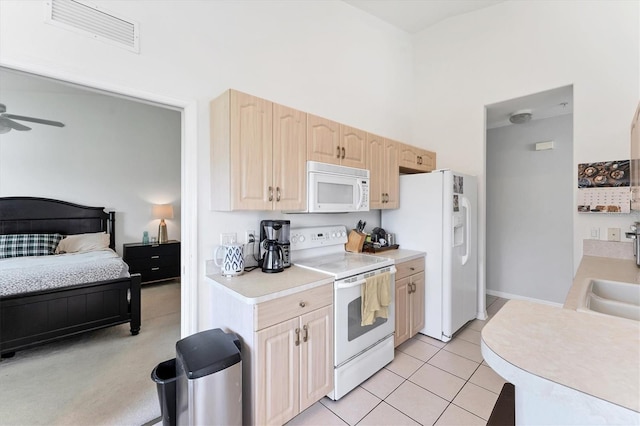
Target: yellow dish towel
(376,297)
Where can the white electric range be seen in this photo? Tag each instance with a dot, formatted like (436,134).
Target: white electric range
(359,351)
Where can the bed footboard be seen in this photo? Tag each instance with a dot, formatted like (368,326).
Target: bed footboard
(40,317)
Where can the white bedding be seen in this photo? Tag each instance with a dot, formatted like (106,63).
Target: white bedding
(33,273)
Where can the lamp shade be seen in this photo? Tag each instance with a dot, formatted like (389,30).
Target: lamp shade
(162,211)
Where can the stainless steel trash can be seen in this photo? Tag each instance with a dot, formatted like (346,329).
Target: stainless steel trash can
(209,379)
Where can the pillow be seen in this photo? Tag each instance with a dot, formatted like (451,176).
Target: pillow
(17,245)
(84,242)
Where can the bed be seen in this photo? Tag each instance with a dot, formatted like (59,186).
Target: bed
(34,316)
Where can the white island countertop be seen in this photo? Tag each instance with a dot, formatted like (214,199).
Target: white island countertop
(584,363)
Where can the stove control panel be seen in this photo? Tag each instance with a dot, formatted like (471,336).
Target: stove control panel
(317,236)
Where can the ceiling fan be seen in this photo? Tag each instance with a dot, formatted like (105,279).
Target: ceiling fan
(7,123)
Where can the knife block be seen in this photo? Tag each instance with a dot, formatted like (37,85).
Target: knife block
(355,242)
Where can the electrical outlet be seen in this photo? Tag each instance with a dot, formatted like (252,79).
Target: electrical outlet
(595,233)
(613,234)
(249,236)
(228,238)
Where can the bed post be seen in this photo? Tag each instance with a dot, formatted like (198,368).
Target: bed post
(111,229)
(134,306)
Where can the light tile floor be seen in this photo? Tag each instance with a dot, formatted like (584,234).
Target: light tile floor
(429,382)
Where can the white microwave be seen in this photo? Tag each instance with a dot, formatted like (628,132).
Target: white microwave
(336,189)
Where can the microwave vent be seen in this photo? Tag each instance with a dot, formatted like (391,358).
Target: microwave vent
(93,21)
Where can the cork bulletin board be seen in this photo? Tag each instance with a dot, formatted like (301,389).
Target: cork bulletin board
(604,187)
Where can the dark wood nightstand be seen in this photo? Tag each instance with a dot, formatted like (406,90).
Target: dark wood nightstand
(155,262)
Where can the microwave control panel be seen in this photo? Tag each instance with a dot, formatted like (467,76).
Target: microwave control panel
(317,236)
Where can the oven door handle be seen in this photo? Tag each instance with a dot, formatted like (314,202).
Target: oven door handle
(342,285)
(349,285)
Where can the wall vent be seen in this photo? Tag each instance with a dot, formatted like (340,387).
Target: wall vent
(93,21)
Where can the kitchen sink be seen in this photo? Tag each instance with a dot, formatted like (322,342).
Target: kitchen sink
(613,298)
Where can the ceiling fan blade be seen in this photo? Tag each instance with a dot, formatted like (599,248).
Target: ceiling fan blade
(34,120)
(5,122)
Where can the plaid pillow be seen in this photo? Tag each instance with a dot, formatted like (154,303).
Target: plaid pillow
(16,245)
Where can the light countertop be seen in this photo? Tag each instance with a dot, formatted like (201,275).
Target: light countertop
(256,286)
(597,355)
(399,255)
(606,268)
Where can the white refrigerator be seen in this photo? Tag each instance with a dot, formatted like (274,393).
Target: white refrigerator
(438,214)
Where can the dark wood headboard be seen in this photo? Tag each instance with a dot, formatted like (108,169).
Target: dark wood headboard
(32,215)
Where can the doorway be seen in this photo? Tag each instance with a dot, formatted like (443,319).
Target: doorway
(529,190)
(189,172)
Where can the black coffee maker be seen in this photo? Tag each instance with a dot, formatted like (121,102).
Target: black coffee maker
(273,234)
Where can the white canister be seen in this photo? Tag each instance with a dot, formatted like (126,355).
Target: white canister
(231,262)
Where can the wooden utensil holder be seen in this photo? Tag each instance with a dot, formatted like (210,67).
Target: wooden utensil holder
(355,242)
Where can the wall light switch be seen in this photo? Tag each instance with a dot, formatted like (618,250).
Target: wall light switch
(228,238)
(613,234)
(595,233)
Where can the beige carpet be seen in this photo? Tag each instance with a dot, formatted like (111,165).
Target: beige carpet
(98,378)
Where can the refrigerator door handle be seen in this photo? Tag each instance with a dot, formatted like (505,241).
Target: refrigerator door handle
(464,202)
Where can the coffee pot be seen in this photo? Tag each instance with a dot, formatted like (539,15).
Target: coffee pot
(231,262)
(273,256)
(276,230)
(272,261)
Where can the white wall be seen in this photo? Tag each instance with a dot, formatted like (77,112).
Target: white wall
(323,57)
(530,210)
(112,152)
(516,48)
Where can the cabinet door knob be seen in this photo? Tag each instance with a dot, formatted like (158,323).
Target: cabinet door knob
(155,257)
(155,269)
(277,193)
(271,193)
(343,153)
(302,304)
(305,337)
(297,342)
(338,148)
(409,289)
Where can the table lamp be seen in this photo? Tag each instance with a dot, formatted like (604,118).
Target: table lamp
(162,212)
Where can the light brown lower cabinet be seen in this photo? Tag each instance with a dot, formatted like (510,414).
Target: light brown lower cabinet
(410,288)
(287,350)
(293,360)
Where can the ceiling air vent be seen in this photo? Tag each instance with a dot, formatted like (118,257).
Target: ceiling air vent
(93,21)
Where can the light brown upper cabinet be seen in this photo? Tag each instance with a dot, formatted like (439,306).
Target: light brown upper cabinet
(382,162)
(353,147)
(635,160)
(335,143)
(416,160)
(258,152)
(289,158)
